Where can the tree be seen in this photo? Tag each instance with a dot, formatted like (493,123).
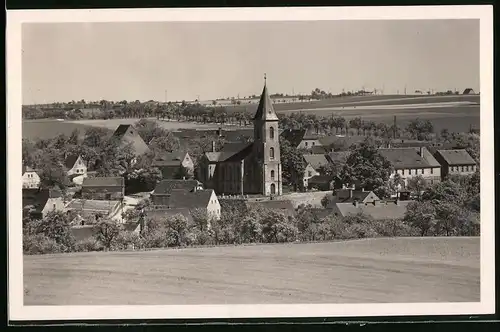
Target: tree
(165,143)
(417,184)
(292,163)
(182,173)
(421,215)
(176,230)
(420,129)
(106,231)
(396,183)
(366,167)
(276,228)
(56,226)
(446,191)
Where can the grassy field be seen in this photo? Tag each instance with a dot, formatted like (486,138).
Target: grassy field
(456,113)
(360,271)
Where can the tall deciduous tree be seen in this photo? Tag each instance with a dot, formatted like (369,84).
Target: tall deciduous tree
(366,168)
(292,164)
(417,185)
(421,215)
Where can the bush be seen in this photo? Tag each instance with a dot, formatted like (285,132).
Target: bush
(359,231)
(393,228)
(88,245)
(38,244)
(127,240)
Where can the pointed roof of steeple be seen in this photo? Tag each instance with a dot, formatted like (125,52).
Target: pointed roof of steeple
(265,110)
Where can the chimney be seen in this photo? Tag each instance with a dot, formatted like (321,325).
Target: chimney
(213,146)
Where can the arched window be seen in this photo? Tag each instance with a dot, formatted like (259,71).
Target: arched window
(273,189)
(271,153)
(271,132)
(272,175)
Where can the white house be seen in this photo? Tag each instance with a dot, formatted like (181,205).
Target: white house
(30,178)
(76,166)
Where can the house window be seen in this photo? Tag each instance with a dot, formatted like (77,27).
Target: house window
(272,175)
(402,172)
(422,170)
(432,170)
(271,153)
(306,144)
(312,143)
(309,174)
(271,133)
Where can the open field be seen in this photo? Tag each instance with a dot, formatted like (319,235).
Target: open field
(359,271)
(456,113)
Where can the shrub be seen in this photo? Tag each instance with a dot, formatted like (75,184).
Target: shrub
(38,244)
(89,244)
(127,240)
(359,231)
(393,228)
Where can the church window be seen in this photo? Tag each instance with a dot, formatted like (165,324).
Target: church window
(271,133)
(271,153)
(272,175)
(273,189)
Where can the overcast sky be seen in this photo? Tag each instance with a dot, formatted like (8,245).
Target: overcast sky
(116,61)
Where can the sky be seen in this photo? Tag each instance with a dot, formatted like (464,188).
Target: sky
(208,60)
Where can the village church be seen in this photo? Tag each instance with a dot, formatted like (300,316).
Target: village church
(248,168)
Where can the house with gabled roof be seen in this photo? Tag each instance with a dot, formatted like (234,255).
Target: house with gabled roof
(38,202)
(88,209)
(301,138)
(103,188)
(31,179)
(411,162)
(378,210)
(314,163)
(76,168)
(127,134)
(185,194)
(171,164)
(248,168)
(455,162)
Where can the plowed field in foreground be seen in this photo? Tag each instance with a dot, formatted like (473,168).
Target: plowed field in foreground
(361,271)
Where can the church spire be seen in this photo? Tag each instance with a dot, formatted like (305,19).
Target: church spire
(265,110)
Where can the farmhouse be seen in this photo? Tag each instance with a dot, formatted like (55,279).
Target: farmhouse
(283,206)
(250,168)
(103,188)
(301,138)
(30,178)
(76,168)
(172,164)
(410,162)
(94,209)
(455,162)
(321,182)
(127,134)
(38,202)
(185,194)
(379,210)
(314,163)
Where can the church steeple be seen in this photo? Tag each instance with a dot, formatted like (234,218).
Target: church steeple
(265,110)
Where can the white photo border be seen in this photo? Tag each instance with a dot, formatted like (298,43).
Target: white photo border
(19,312)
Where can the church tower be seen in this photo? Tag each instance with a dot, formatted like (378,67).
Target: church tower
(266,147)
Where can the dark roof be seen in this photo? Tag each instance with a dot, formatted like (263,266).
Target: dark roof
(265,110)
(170,159)
(240,155)
(138,144)
(408,158)
(294,136)
(339,156)
(385,210)
(456,157)
(92,205)
(165,187)
(122,129)
(311,134)
(468,91)
(238,134)
(81,233)
(320,179)
(315,160)
(28,169)
(213,156)
(116,181)
(345,140)
(162,213)
(180,198)
(131,226)
(70,161)
(39,197)
(284,206)
(318,149)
